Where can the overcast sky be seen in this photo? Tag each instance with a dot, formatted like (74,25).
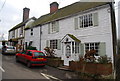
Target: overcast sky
(11,13)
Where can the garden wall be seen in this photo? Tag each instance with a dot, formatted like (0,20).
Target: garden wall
(91,68)
(55,62)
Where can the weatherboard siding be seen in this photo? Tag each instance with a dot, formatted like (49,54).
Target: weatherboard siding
(35,37)
(100,33)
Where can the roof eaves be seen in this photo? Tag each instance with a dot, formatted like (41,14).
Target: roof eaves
(17,26)
(22,24)
(64,12)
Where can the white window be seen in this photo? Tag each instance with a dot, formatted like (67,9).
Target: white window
(53,27)
(77,47)
(90,46)
(86,21)
(53,44)
(21,31)
(13,33)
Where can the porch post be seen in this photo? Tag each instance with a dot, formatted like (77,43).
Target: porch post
(62,47)
(71,48)
(74,47)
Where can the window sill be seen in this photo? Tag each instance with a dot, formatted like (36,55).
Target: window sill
(53,32)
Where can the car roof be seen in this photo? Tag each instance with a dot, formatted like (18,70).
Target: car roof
(34,50)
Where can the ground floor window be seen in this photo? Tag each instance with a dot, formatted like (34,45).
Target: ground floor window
(92,46)
(53,44)
(75,47)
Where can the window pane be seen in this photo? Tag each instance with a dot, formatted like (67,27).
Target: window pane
(90,46)
(54,26)
(53,44)
(86,21)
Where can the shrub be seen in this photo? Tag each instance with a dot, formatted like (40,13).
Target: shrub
(31,48)
(104,59)
(49,52)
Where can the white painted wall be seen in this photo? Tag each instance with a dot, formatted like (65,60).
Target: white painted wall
(34,38)
(100,33)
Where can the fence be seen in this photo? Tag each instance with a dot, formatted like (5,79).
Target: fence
(91,68)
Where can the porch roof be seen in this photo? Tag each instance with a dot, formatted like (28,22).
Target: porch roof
(72,37)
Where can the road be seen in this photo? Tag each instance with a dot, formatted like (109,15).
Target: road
(13,70)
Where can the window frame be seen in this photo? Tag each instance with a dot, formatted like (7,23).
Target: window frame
(13,33)
(54,44)
(21,31)
(54,27)
(92,45)
(85,21)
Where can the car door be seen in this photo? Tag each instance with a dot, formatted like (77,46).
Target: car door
(22,56)
(28,56)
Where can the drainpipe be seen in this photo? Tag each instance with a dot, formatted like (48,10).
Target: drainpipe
(40,37)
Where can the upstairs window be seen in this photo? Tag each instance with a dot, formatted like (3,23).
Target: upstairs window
(86,21)
(53,27)
(13,33)
(21,31)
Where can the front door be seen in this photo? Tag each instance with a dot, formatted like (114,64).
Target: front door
(67,54)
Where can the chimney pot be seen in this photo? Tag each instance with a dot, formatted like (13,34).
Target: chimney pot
(25,14)
(54,7)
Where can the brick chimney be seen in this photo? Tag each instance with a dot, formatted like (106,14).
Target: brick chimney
(25,13)
(53,7)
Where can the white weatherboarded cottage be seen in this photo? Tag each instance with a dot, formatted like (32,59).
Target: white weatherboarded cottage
(74,29)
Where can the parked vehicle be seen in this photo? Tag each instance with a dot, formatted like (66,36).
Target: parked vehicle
(32,58)
(8,50)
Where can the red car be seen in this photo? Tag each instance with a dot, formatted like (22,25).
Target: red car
(32,58)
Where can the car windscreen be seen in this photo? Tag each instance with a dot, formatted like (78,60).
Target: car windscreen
(36,54)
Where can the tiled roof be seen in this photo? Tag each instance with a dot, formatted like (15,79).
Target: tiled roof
(67,11)
(21,24)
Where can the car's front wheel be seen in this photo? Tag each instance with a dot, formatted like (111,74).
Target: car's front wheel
(29,64)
